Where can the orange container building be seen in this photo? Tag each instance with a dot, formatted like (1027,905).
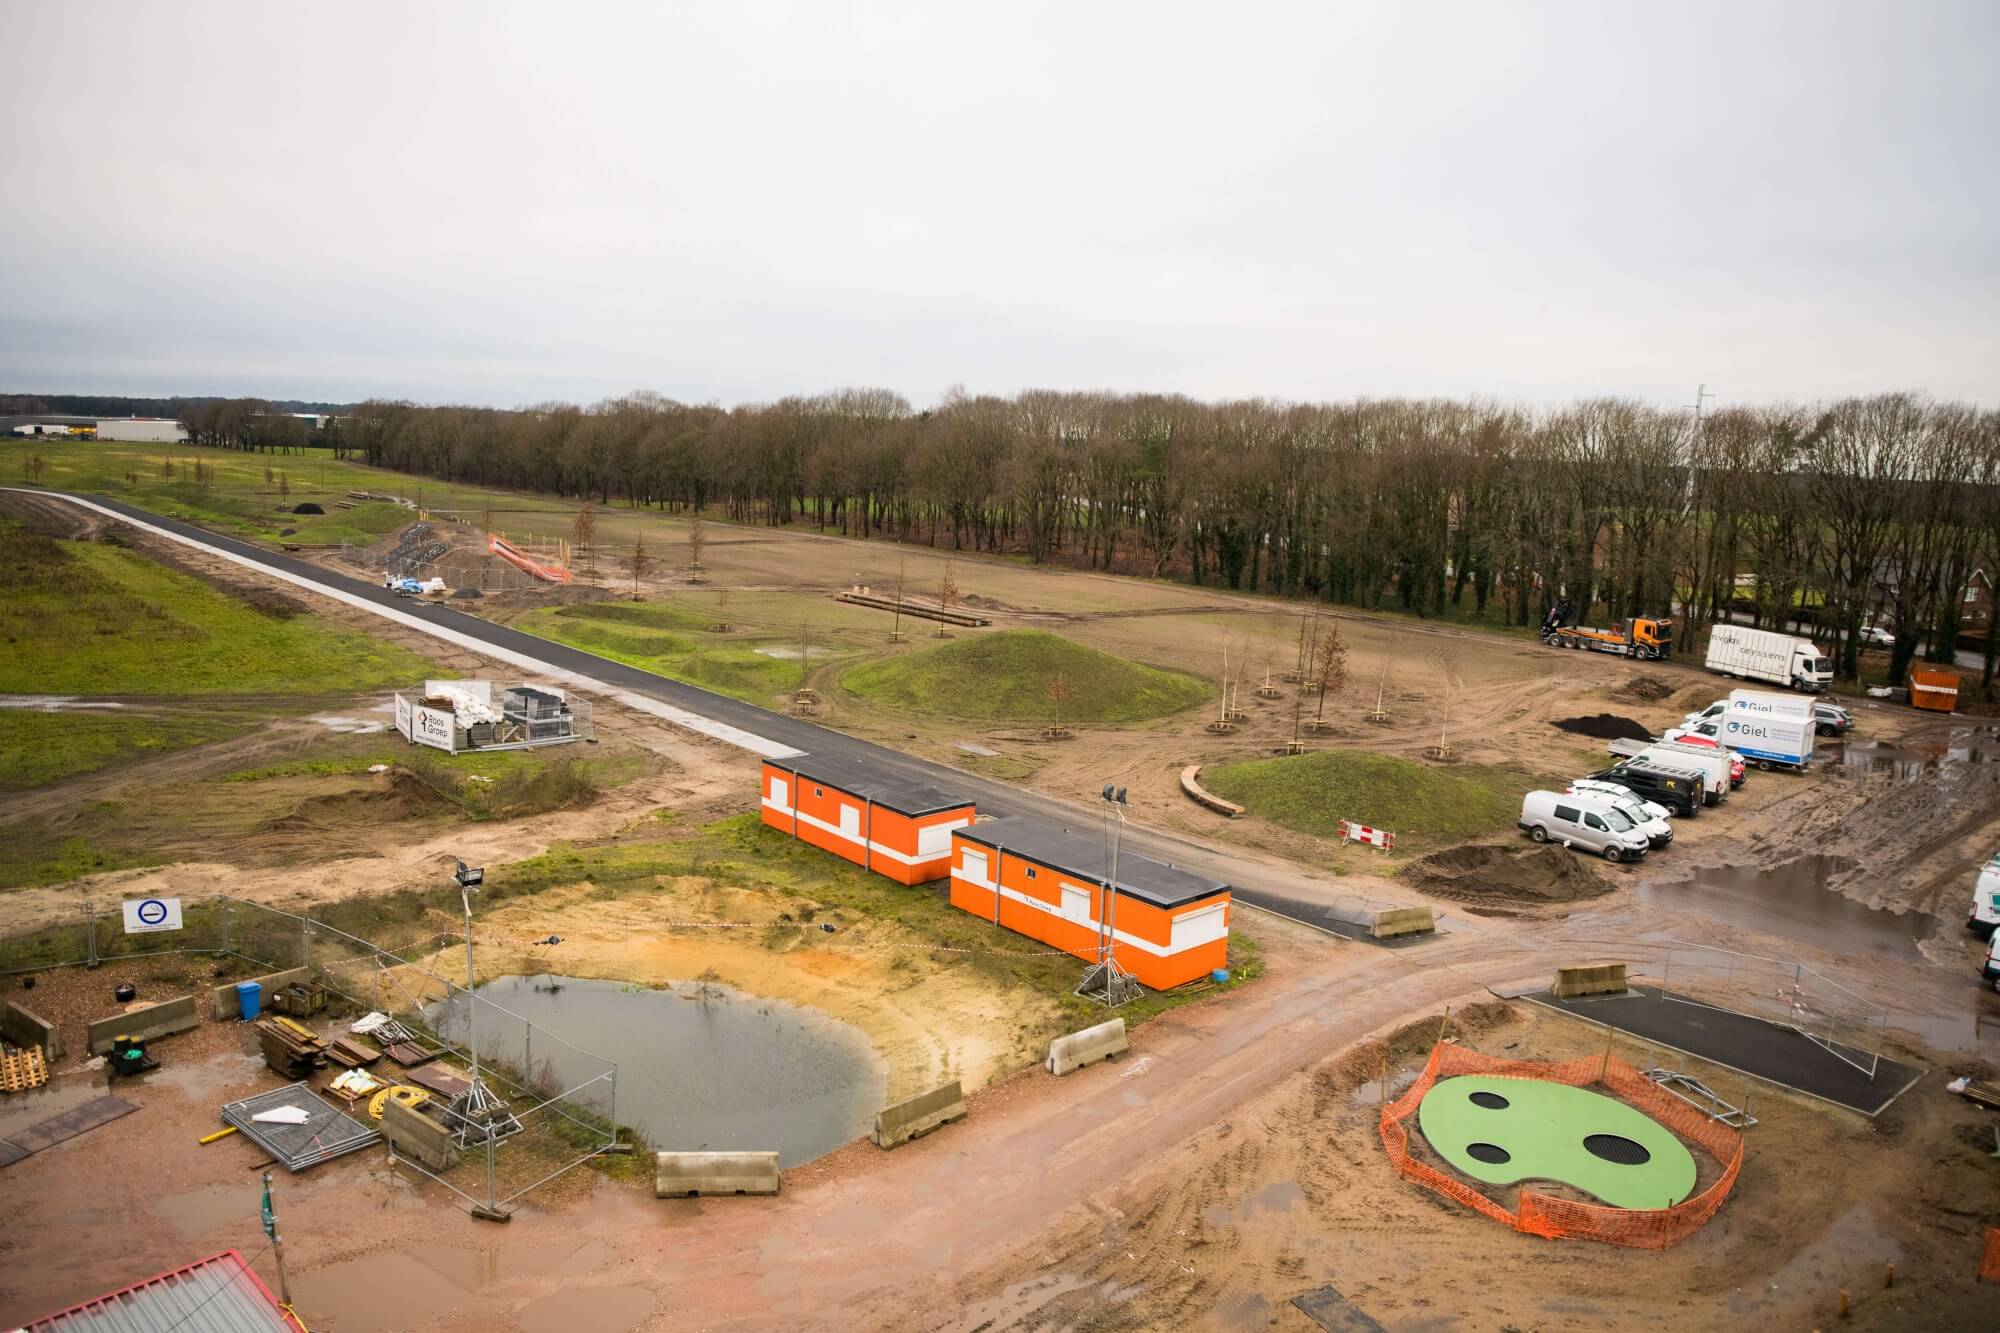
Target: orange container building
(1049,883)
(897,826)
(1935,690)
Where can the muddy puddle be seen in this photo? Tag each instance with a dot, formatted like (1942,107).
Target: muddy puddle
(1793,902)
(415,1285)
(700,1066)
(1909,763)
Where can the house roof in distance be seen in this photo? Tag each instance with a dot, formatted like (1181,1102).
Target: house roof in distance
(1084,855)
(906,796)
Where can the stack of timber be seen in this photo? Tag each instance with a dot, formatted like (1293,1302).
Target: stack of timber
(292,1050)
(351,1052)
(22,1069)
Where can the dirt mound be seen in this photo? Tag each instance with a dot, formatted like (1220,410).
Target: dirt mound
(1529,873)
(1645,689)
(391,796)
(307,508)
(1606,727)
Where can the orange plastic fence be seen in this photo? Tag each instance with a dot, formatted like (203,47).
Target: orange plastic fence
(1989,1262)
(1542,1215)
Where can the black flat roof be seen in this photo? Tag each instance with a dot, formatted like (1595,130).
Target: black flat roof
(1084,854)
(906,796)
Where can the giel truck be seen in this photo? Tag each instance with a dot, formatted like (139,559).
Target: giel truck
(1769,730)
(1761,654)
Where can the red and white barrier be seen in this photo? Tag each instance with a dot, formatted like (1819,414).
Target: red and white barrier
(1373,837)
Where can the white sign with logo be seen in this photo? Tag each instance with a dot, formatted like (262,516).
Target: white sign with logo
(150,914)
(433,726)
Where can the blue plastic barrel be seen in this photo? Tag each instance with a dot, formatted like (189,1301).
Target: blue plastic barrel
(249,999)
(1220,975)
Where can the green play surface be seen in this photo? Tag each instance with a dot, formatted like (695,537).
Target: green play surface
(1550,1131)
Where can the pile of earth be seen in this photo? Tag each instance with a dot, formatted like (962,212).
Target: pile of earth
(1606,727)
(1501,875)
(1646,689)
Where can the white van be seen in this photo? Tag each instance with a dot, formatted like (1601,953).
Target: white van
(1581,821)
(1991,972)
(1650,821)
(1709,761)
(1985,916)
(1619,791)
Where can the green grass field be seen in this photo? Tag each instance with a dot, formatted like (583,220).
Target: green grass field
(94,619)
(1425,807)
(674,641)
(1005,677)
(38,748)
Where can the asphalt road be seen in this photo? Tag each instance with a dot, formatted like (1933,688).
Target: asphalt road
(1260,883)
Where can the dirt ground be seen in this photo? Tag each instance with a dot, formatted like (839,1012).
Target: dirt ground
(1231,1161)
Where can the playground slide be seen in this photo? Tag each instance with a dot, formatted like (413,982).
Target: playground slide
(513,555)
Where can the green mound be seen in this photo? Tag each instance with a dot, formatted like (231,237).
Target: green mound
(1421,805)
(1004,677)
(670,640)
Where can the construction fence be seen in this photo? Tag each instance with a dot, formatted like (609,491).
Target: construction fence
(548,1104)
(1778,990)
(1565,1219)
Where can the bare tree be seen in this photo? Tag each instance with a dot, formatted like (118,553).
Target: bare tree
(1058,693)
(947,593)
(697,541)
(1329,667)
(284,488)
(583,533)
(641,564)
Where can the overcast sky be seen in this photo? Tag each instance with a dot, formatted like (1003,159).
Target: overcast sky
(735,201)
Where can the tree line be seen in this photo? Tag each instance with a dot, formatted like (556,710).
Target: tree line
(1868,511)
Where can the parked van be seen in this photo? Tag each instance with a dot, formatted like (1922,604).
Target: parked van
(1985,915)
(1656,828)
(1991,972)
(1581,821)
(1710,761)
(1600,787)
(1679,789)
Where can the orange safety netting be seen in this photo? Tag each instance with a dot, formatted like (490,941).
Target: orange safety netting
(1543,1215)
(1989,1262)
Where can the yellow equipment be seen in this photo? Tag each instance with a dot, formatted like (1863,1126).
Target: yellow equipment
(402,1092)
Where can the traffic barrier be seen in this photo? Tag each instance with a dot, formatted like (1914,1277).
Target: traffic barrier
(155,1020)
(414,1135)
(1391,922)
(1589,979)
(223,1004)
(686,1175)
(1200,795)
(1073,1052)
(1362,833)
(1557,1219)
(919,1115)
(24,1028)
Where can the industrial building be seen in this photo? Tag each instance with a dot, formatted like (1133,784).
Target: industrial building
(895,826)
(148,430)
(1050,883)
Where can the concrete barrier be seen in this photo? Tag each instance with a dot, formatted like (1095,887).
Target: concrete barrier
(918,1116)
(1390,922)
(155,1020)
(1087,1047)
(414,1135)
(1200,795)
(1591,979)
(22,1027)
(223,1006)
(685,1175)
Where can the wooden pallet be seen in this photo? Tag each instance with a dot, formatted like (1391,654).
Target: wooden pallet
(22,1070)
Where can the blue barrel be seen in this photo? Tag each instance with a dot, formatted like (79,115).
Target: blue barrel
(249,999)
(1220,975)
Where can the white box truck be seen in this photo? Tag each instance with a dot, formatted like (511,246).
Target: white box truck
(1769,730)
(1761,654)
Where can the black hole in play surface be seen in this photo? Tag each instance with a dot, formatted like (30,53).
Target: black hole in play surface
(1492,1101)
(1490,1153)
(1616,1148)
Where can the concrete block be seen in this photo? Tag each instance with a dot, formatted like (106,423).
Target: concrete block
(1591,979)
(414,1135)
(1087,1047)
(684,1175)
(919,1115)
(222,1006)
(22,1027)
(1393,921)
(155,1020)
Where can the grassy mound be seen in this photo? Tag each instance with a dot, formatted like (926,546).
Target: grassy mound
(670,640)
(1421,805)
(1004,677)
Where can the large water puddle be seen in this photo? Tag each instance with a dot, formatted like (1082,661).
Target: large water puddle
(700,1066)
(1907,763)
(1792,902)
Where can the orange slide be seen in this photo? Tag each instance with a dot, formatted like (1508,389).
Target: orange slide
(513,555)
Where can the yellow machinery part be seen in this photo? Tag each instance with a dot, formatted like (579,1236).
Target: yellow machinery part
(402,1092)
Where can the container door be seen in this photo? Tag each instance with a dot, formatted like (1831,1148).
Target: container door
(781,793)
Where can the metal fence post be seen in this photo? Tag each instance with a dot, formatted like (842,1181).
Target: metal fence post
(305,942)
(225,925)
(90,929)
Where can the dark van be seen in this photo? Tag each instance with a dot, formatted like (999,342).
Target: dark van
(1679,789)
